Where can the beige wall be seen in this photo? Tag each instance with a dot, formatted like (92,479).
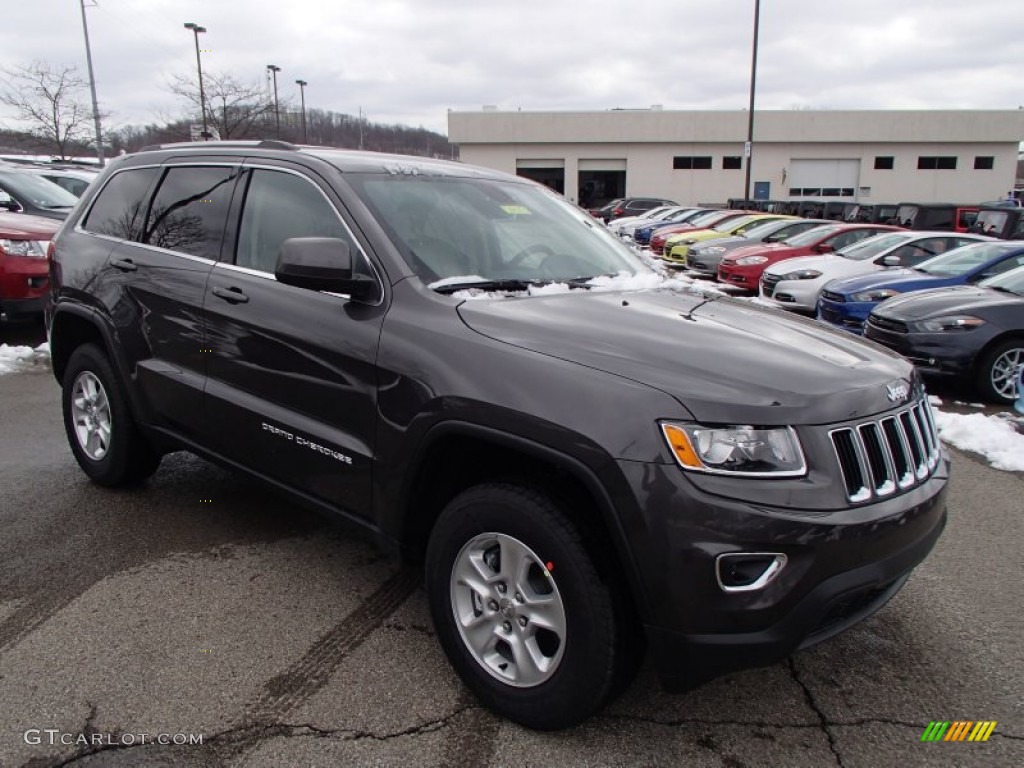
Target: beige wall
(648,140)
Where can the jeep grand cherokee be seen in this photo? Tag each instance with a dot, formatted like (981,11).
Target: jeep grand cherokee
(469,368)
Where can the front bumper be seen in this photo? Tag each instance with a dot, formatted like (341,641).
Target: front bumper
(741,277)
(843,565)
(800,295)
(847,316)
(934,354)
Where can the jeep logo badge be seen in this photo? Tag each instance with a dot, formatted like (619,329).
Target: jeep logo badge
(898,391)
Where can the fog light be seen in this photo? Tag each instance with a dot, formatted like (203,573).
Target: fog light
(748,571)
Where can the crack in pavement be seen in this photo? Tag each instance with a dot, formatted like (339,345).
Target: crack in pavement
(813,704)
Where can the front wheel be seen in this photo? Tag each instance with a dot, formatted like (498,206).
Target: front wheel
(998,372)
(520,608)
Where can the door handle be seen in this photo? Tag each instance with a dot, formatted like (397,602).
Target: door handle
(125,265)
(231,295)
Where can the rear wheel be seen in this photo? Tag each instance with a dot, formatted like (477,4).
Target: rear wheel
(102,433)
(520,608)
(998,372)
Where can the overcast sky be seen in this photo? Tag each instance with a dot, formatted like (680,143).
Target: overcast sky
(410,62)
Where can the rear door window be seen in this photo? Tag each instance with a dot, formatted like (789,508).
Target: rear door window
(119,209)
(190,209)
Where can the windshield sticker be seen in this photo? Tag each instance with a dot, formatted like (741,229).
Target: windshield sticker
(516,210)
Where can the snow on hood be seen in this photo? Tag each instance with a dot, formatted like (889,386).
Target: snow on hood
(624,281)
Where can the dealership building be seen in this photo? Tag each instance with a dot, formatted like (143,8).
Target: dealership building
(960,156)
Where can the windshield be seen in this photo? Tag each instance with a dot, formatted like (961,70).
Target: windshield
(731,225)
(490,230)
(38,191)
(765,228)
(811,236)
(1011,282)
(906,214)
(705,219)
(873,246)
(990,222)
(963,260)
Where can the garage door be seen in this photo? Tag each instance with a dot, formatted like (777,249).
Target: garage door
(824,178)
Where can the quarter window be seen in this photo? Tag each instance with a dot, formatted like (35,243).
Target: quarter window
(279,206)
(118,210)
(190,209)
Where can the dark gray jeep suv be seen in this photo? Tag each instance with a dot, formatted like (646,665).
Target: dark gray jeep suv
(478,374)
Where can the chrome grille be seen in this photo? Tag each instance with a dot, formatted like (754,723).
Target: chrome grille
(889,454)
(896,326)
(838,298)
(768,283)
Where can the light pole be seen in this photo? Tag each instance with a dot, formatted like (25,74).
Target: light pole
(748,148)
(302,95)
(273,68)
(196,30)
(92,88)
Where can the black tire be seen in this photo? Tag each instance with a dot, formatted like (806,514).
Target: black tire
(127,458)
(589,667)
(991,378)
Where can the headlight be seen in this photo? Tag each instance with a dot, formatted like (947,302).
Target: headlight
(803,274)
(951,323)
(746,261)
(740,450)
(30,249)
(880,294)
(712,249)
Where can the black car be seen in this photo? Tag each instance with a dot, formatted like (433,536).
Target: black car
(974,333)
(629,206)
(459,363)
(24,192)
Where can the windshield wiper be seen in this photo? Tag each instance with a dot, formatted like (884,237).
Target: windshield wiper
(506,284)
(1001,289)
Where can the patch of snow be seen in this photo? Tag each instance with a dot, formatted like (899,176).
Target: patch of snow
(457,280)
(545,290)
(994,437)
(19,357)
(934,400)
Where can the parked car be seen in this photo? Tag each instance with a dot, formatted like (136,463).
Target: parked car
(1003,221)
(704,258)
(676,250)
(625,226)
(795,283)
(24,271)
(23,192)
(743,267)
(973,333)
(847,302)
(74,181)
(642,233)
(629,206)
(301,314)
(936,216)
(662,236)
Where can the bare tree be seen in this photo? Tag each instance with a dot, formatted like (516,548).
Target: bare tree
(46,98)
(236,110)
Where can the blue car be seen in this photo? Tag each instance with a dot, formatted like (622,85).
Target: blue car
(642,234)
(846,303)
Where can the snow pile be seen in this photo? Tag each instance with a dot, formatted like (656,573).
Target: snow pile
(994,437)
(16,358)
(623,281)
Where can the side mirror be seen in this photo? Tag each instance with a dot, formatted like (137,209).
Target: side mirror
(891,260)
(9,204)
(824,248)
(321,264)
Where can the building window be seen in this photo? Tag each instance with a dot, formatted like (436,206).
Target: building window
(732,162)
(984,163)
(884,163)
(925,163)
(691,163)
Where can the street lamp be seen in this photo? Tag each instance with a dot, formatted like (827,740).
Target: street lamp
(277,111)
(302,95)
(196,30)
(92,88)
(748,148)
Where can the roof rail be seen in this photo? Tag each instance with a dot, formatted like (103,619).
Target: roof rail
(257,144)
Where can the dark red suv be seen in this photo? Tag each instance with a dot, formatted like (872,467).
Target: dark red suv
(24,272)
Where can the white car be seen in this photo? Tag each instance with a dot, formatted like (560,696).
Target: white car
(624,227)
(795,283)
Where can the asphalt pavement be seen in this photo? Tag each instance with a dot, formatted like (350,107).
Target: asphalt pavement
(201,608)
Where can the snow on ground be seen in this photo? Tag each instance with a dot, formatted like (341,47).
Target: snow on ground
(994,437)
(19,357)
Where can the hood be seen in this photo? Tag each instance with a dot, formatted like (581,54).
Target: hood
(729,241)
(902,280)
(822,262)
(944,301)
(726,361)
(27,226)
(773,251)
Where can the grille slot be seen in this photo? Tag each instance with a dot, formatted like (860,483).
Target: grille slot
(880,457)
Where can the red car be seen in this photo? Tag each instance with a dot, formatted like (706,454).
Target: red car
(701,222)
(24,268)
(742,267)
